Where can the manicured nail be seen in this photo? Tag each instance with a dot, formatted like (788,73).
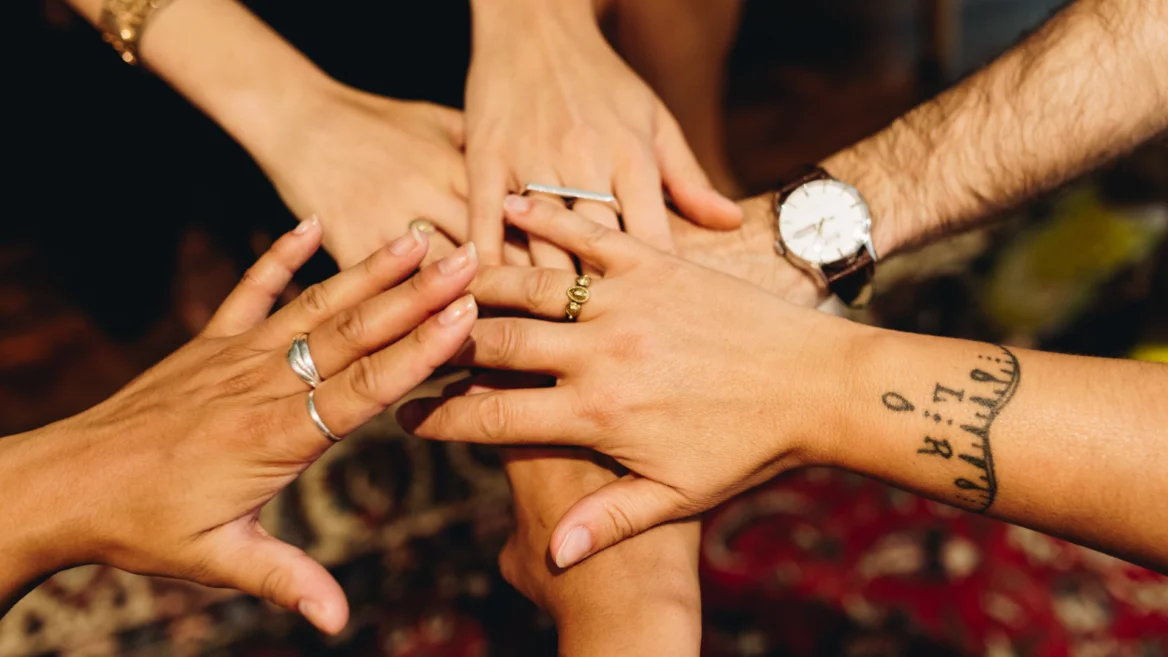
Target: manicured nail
(405,244)
(459,260)
(457,310)
(517,204)
(575,547)
(306,224)
(313,611)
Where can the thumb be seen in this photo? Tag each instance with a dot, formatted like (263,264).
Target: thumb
(687,183)
(250,560)
(619,510)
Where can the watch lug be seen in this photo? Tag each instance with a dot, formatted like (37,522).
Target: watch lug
(871,248)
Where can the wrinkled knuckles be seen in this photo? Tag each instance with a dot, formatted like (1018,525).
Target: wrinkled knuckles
(546,288)
(315,301)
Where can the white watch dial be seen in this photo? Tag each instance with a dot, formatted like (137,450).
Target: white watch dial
(824,221)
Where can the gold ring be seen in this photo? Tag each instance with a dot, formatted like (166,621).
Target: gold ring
(423,226)
(578,295)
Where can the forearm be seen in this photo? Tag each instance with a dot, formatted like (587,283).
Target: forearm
(1088,86)
(1067,445)
(230,65)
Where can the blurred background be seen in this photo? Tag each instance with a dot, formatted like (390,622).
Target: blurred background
(122,221)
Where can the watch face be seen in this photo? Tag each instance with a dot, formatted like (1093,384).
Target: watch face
(824,221)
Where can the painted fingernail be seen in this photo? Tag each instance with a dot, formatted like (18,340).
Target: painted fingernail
(575,547)
(457,310)
(312,611)
(459,260)
(515,203)
(303,226)
(405,244)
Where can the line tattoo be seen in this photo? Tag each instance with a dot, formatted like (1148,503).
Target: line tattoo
(959,419)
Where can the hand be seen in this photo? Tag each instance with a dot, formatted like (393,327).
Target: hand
(548,101)
(368,166)
(748,253)
(167,477)
(639,598)
(699,383)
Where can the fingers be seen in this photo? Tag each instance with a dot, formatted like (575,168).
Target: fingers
(687,182)
(617,511)
(534,291)
(244,557)
(384,319)
(543,252)
(522,345)
(384,269)
(639,188)
(608,249)
(375,382)
(511,417)
(488,188)
(251,301)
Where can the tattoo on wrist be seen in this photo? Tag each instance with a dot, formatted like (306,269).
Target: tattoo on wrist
(959,418)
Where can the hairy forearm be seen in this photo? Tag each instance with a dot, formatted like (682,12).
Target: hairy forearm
(230,65)
(1067,445)
(1088,86)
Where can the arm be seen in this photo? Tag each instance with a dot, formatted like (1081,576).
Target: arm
(364,164)
(1088,86)
(1067,445)
(702,407)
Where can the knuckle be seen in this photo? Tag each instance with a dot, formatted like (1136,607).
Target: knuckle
(366,378)
(618,517)
(315,301)
(593,235)
(494,417)
(545,287)
(503,342)
(274,582)
(351,328)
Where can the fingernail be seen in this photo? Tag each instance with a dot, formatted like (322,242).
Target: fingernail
(516,204)
(406,243)
(459,260)
(457,310)
(575,547)
(306,224)
(313,611)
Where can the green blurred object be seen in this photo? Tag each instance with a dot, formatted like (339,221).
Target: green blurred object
(1051,273)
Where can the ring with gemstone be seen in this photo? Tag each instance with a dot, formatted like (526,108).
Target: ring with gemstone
(569,195)
(578,295)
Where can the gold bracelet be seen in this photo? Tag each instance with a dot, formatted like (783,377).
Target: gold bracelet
(124,21)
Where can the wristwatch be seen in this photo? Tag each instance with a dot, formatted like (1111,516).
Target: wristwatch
(824,227)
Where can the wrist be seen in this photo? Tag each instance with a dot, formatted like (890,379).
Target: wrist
(887,190)
(39,533)
(492,20)
(636,627)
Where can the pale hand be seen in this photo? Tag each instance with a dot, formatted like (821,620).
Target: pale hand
(548,101)
(701,384)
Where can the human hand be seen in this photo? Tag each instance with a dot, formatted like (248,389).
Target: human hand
(642,597)
(167,477)
(748,253)
(699,383)
(367,166)
(548,101)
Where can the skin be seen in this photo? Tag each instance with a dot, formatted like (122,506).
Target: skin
(167,476)
(549,101)
(783,387)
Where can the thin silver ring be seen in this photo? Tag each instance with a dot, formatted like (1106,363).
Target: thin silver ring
(570,195)
(319,422)
(300,360)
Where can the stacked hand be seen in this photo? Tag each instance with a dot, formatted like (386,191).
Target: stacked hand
(651,375)
(559,107)
(167,477)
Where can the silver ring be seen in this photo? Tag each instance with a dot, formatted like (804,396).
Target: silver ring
(317,421)
(300,360)
(570,196)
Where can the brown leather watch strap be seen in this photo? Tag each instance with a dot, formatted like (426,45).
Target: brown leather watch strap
(851,281)
(796,178)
